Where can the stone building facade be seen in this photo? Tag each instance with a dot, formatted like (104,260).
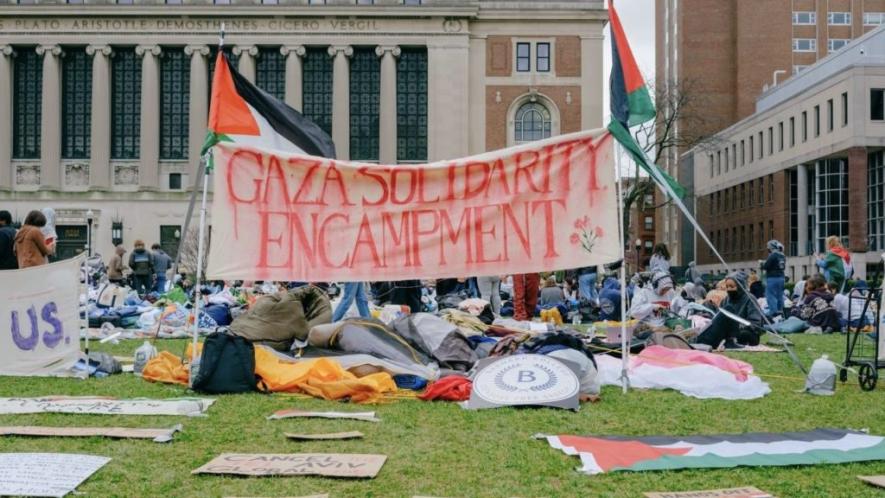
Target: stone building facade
(103,105)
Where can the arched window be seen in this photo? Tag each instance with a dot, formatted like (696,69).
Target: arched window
(532,122)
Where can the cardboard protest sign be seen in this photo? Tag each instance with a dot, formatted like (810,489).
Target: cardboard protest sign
(28,474)
(526,379)
(295,464)
(874,480)
(320,437)
(40,319)
(746,492)
(157,435)
(295,413)
(106,406)
(540,206)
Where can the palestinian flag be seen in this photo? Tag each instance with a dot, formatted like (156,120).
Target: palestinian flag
(631,103)
(614,453)
(243,113)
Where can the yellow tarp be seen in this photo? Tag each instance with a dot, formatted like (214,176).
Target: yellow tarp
(321,377)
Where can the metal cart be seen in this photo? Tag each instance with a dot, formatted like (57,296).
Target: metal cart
(862,348)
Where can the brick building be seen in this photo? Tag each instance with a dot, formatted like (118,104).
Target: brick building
(726,53)
(103,103)
(806,165)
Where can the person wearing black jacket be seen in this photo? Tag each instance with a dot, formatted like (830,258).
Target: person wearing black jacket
(723,328)
(774,278)
(8,261)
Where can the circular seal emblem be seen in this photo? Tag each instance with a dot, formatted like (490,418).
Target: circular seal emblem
(526,380)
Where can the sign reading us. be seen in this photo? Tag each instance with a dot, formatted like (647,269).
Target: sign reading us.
(40,319)
(542,206)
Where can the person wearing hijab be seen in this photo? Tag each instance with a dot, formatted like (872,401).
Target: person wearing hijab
(692,274)
(650,300)
(724,330)
(836,264)
(774,278)
(610,300)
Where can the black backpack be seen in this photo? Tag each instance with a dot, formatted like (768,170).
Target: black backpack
(227,365)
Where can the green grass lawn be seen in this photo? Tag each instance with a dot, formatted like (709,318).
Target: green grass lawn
(439,449)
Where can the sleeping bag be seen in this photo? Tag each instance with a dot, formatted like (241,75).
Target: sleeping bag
(278,319)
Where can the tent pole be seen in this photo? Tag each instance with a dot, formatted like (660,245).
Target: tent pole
(625,350)
(199,277)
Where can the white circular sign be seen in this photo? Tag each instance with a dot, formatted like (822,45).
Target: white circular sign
(528,379)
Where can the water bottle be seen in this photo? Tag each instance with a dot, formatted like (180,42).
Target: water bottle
(576,318)
(821,377)
(143,354)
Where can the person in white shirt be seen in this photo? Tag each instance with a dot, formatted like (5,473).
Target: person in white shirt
(650,301)
(850,307)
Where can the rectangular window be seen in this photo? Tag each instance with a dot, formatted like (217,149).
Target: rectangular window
(770,140)
(170,237)
(845,109)
(126,104)
(76,103)
(365,98)
(411,105)
(316,2)
(712,166)
(830,115)
(27,86)
(173,2)
(761,146)
(804,126)
(734,156)
(770,229)
(831,179)
(734,195)
(792,131)
(411,2)
(876,201)
(780,134)
(365,2)
(523,57)
(718,162)
(221,2)
(174,181)
(804,18)
(770,188)
(836,44)
(649,200)
(752,192)
(804,45)
(270,71)
(175,103)
(542,57)
(817,121)
(741,201)
(316,83)
(839,18)
(877,104)
(762,191)
(743,154)
(752,150)
(873,18)
(270,2)
(727,163)
(649,223)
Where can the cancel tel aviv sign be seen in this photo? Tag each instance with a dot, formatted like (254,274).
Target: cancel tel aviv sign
(525,380)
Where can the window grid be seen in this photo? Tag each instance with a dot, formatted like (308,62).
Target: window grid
(270,72)
(542,54)
(835,44)
(126,104)
(411,105)
(175,104)
(532,123)
(317,87)
(793,245)
(804,18)
(832,200)
(76,103)
(27,104)
(839,18)
(873,18)
(523,57)
(365,97)
(876,201)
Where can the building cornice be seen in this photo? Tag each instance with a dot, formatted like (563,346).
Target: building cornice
(227,11)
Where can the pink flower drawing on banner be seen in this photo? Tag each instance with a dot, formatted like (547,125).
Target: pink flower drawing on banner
(585,234)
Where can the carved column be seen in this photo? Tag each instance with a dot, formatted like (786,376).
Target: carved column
(199,99)
(341,99)
(294,89)
(149,136)
(100,158)
(247,60)
(387,108)
(50,118)
(6,173)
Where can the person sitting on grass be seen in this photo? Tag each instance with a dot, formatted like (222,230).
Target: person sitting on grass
(610,300)
(850,307)
(817,306)
(651,302)
(550,301)
(728,332)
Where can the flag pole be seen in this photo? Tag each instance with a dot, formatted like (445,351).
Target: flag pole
(625,349)
(198,297)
